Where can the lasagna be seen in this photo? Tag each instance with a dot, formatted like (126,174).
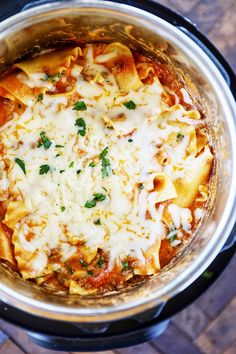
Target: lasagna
(105,166)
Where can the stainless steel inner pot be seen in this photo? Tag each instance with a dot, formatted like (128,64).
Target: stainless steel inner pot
(75,22)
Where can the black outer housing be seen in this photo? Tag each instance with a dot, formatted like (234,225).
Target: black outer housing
(60,335)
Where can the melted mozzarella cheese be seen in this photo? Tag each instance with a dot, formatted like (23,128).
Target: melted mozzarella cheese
(56,201)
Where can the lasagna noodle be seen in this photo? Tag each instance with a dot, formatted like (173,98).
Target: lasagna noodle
(31,263)
(184,130)
(16,89)
(197,174)
(75,289)
(145,70)
(161,187)
(6,249)
(52,63)
(119,59)
(152,262)
(5,94)
(16,210)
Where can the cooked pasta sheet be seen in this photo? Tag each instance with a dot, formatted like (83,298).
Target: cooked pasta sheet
(105,166)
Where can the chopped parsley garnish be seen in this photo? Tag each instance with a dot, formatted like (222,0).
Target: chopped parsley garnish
(78,172)
(54,78)
(97,222)
(44,141)
(40,97)
(21,164)
(100,263)
(71,164)
(80,122)
(98,197)
(79,106)
(129,105)
(104,153)
(57,76)
(141,186)
(43,169)
(90,203)
(105,163)
(63,208)
(92,164)
(58,155)
(125,265)
(61,171)
(90,272)
(172,234)
(105,167)
(130,140)
(59,146)
(179,137)
(208,275)
(172,237)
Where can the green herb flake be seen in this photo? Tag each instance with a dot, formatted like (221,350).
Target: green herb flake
(56,77)
(141,186)
(21,164)
(129,105)
(40,97)
(100,263)
(105,163)
(92,164)
(104,153)
(172,233)
(97,222)
(90,203)
(63,208)
(90,272)
(57,155)
(71,164)
(172,237)
(45,141)
(80,123)
(98,197)
(62,171)
(130,140)
(125,265)
(78,172)
(59,146)
(79,106)
(208,275)
(43,169)
(179,137)
(105,167)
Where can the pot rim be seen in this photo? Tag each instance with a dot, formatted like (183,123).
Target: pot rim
(208,68)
